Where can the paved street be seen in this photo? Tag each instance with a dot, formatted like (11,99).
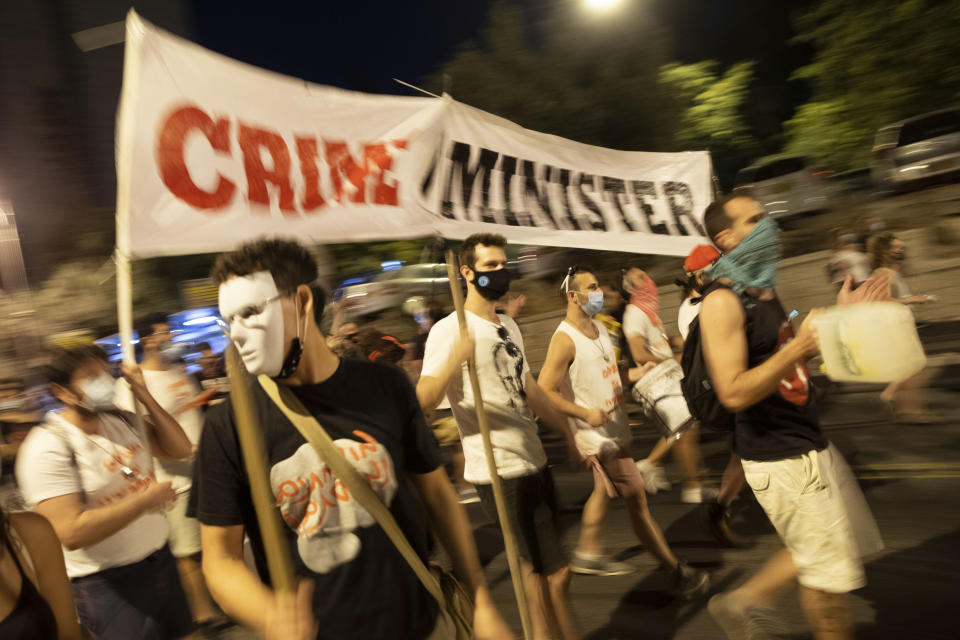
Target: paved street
(911,478)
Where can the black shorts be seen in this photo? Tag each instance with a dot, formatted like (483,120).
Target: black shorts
(532,510)
(143,600)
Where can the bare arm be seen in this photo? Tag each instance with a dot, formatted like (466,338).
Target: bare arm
(638,349)
(245,598)
(560,354)
(540,403)
(51,573)
(236,589)
(452,526)
(722,326)
(432,389)
(79,527)
(167,439)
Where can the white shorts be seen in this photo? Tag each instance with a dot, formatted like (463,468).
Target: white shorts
(817,508)
(184,531)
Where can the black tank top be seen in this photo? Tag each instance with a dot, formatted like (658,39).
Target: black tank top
(31,618)
(784,424)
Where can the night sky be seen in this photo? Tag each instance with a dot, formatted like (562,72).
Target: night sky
(362,45)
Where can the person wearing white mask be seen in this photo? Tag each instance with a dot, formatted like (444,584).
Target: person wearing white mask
(180,396)
(89,470)
(582,380)
(354,583)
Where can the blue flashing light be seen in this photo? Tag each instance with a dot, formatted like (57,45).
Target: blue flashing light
(391,265)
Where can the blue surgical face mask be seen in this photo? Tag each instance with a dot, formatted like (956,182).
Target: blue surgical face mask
(594,303)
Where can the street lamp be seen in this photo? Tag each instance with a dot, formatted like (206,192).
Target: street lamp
(601,5)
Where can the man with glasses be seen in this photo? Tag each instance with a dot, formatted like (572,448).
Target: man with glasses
(511,398)
(354,582)
(582,379)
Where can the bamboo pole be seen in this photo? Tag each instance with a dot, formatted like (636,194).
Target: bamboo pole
(255,460)
(509,537)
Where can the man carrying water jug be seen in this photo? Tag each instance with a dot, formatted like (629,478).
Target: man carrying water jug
(582,379)
(759,372)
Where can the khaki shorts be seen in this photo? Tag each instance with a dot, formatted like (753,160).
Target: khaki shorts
(817,508)
(445,430)
(184,531)
(617,474)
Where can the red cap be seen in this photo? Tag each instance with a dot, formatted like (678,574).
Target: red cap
(700,258)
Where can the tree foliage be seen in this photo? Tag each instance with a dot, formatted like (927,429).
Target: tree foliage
(876,62)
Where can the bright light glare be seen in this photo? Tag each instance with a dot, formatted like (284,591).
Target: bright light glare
(601,5)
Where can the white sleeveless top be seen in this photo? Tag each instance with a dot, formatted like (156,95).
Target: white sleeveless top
(593,381)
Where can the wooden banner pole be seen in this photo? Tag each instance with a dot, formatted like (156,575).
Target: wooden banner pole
(255,459)
(509,536)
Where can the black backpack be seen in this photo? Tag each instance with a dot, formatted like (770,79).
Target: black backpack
(696,385)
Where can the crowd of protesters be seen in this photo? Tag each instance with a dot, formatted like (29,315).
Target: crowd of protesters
(127,511)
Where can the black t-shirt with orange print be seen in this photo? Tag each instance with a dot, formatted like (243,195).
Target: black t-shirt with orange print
(363,586)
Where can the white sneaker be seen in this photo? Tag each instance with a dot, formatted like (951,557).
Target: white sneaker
(654,478)
(698,495)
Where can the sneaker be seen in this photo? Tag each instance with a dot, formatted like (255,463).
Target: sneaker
(688,582)
(763,624)
(732,621)
(751,623)
(598,566)
(468,495)
(698,495)
(654,478)
(714,516)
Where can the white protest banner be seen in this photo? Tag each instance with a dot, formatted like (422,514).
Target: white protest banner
(493,175)
(212,152)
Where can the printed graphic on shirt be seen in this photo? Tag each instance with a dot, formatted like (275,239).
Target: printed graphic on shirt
(315,504)
(794,388)
(508,361)
(125,457)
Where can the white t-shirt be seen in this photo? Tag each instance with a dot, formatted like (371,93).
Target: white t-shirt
(845,262)
(593,382)
(685,315)
(501,368)
(45,470)
(637,323)
(173,390)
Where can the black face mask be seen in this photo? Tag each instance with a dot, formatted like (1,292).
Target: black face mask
(292,361)
(492,285)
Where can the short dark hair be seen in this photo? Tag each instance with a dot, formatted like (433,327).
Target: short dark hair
(572,273)
(716,219)
(290,263)
(144,326)
(64,361)
(468,250)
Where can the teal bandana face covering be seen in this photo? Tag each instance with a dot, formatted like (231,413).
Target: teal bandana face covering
(754,262)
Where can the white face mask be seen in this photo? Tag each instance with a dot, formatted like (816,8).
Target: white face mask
(251,306)
(98,393)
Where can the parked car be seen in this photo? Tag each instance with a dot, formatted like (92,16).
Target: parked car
(787,185)
(917,150)
(390,288)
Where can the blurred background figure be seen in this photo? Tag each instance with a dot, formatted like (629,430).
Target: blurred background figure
(343,340)
(907,399)
(213,374)
(649,346)
(847,258)
(180,396)
(16,420)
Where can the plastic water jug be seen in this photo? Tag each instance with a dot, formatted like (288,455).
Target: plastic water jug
(870,342)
